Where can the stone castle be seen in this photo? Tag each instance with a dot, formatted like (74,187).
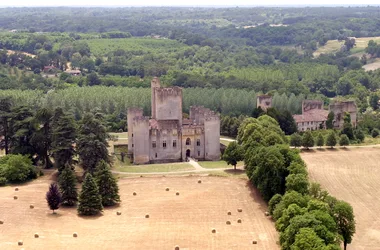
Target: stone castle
(166,136)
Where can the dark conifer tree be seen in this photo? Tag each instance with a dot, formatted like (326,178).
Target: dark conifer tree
(107,184)
(53,197)
(90,201)
(67,185)
(92,142)
(63,139)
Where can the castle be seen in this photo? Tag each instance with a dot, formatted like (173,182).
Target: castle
(167,136)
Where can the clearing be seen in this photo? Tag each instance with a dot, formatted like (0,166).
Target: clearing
(185,220)
(352,175)
(334,45)
(373,65)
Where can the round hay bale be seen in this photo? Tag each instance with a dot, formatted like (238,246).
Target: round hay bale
(267,214)
(31,206)
(1,222)
(147,216)
(20,243)
(176,248)
(239,221)
(134,193)
(199,181)
(213,230)
(240,210)
(228,222)
(229,213)
(16,189)
(15,197)
(36,235)
(254,242)
(141,176)
(75,235)
(118,213)
(167,189)
(177,193)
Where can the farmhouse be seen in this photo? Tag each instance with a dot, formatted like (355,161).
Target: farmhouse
(166,136)
(313,116)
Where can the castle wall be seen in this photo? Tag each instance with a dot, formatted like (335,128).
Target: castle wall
(141,140)
(131,114)
(340,108)
(212,141)
(155,83)
(161,145)
(168,104)
(308,105)
(264,101)
(197,142)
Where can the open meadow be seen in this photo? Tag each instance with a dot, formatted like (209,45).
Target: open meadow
(185,220)
(333,46)
(352,175)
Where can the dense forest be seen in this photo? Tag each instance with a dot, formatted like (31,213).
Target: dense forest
(222,57)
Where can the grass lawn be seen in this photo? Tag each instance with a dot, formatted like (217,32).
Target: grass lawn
(217,164)
(123,135)
(149,168)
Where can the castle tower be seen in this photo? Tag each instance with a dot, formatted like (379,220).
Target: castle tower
(132,113)
(141,140)
(155,83)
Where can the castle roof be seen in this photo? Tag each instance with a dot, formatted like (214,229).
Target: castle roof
(315,115)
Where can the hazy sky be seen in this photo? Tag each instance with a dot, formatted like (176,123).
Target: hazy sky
(181,3)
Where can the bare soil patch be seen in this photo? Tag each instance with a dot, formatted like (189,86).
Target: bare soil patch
(353,176)
(185,220)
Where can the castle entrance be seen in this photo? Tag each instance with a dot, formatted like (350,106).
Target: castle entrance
(188,153)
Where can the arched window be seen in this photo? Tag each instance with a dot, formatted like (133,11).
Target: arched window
(188,141)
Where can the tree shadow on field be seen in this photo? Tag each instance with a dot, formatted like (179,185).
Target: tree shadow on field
(332,149)
(90,217)
(320,149)
(256,196)
(309,151)
(234,172)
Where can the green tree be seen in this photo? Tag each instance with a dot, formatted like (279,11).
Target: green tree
(347,126)
(320,140)
(90,201)
(330,120)
(63,139)
(375,133)
(93,79)
(92,142)
(107,184)
(233,154)
(331,139)
(296,140)
(41,138)
(273,202)
(345,220)
(307,239)
(5,115)
(359,135)
(344,141)
(67,184)
(307,140)
(298,183)
(53,197)
(374,101)
(17,168)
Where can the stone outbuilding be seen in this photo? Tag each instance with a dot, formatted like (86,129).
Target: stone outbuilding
(166,136)
(264,101)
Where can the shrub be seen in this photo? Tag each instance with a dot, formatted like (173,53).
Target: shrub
(375,133)
(17,168)
(3,181)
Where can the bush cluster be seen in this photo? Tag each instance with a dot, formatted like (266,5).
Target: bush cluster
(16,168)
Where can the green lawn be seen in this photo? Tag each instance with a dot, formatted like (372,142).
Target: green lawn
(149,168)
(217,164)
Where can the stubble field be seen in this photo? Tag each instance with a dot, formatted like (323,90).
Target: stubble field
(352,175)
(185,220)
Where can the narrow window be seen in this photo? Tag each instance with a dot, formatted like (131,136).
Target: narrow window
(133,145)
(132,134)
(188,141)
(198,142)
(154,144)
(156,155)
(164,144)
(199,153)
(174,143)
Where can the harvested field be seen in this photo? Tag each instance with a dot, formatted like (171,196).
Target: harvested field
(352,175)
(373,65)
(185,220)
